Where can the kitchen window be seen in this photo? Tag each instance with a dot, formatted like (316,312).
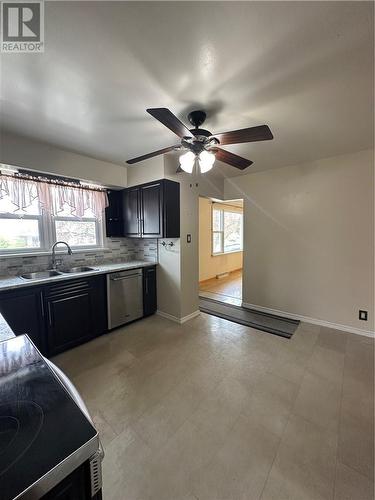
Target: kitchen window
(33,215)
(227,230)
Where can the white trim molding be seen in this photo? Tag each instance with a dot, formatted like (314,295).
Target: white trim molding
(176,319)
(307,319)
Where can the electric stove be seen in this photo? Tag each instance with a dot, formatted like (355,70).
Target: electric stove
(44,435)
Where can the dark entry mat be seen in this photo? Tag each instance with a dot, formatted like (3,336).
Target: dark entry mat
(276,325)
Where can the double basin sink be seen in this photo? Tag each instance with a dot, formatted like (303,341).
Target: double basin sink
(51,273)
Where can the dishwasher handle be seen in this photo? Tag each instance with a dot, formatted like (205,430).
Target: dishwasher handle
(126,277)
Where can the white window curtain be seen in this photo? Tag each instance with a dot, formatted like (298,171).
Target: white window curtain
(52,197)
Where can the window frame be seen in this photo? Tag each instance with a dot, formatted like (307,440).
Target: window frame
(222,210)
(47,233)
(99,233)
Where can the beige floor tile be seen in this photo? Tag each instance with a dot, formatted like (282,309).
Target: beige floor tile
(240,468)
(288,364)
(270,402)
(332,339)
(318,401)
(168,475)
(303,340)
(198,411)
(358,399)
(126,458)
(350,485)
(356,445)
(327,363)
(304,467)
(164,419)
(218,412)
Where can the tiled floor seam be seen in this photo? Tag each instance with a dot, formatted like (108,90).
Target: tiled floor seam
(339,427)
(274,458)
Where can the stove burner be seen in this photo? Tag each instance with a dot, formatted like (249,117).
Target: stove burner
(20,424)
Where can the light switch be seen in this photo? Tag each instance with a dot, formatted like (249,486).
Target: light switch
(188,238)
(363,315)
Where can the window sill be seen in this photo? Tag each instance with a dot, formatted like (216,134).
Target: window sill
(225,253)
(40,253)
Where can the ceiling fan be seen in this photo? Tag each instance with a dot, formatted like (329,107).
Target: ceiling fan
(198,143)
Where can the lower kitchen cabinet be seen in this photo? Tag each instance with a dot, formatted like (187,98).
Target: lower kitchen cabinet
(63,314)
(24,312)
(76,312)
(149,290)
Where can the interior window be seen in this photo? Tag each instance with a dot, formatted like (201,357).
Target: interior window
(227,230)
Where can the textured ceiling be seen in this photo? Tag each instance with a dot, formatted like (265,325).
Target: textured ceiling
(303,68)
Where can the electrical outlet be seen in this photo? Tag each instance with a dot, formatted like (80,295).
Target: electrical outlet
(363,315)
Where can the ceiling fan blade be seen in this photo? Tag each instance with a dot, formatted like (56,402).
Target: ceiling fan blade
(171,121)
(154,153)
(231,158)
(252,134)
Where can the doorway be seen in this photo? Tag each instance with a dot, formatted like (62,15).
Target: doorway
(221,250)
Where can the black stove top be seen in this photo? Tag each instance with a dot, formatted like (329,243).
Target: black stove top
(40,425)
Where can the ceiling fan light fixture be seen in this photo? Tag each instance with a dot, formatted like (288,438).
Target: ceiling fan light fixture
(206,161)
(187,161)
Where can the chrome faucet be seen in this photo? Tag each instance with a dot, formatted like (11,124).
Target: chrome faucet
(53,262)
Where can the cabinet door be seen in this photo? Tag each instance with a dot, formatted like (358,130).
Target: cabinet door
(149,290)
(113,214)
(151,210)
(69,318)
(131,212)
(23,310)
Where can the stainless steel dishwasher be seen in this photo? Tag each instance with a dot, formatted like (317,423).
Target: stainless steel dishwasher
(125,297)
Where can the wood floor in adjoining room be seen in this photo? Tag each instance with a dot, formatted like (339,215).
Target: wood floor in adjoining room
(213,410)
(220,288)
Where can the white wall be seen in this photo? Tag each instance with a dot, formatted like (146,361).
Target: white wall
(33,155)
(211,265)
(146,171)
(178,270)
(309,238)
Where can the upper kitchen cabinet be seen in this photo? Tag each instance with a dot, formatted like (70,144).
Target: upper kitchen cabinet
(131,212)
(152,210)
(113,214)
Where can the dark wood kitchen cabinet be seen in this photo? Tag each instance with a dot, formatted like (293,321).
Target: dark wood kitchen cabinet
(76,312)
(152,210)
(24,312)
(114,223)
(131,212)
(149,290)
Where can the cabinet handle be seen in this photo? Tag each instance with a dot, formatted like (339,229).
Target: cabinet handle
(49,314)
(146,285)
(41,304)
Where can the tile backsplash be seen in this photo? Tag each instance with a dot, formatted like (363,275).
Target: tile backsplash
(117,250)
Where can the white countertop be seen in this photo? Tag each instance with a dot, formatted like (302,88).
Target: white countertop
(6,332)
(12,282)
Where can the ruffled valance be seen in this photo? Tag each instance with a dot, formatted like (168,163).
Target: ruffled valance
(53,198)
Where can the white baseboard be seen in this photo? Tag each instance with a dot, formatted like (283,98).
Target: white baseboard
(307,319)
(190,316)
(176,319)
